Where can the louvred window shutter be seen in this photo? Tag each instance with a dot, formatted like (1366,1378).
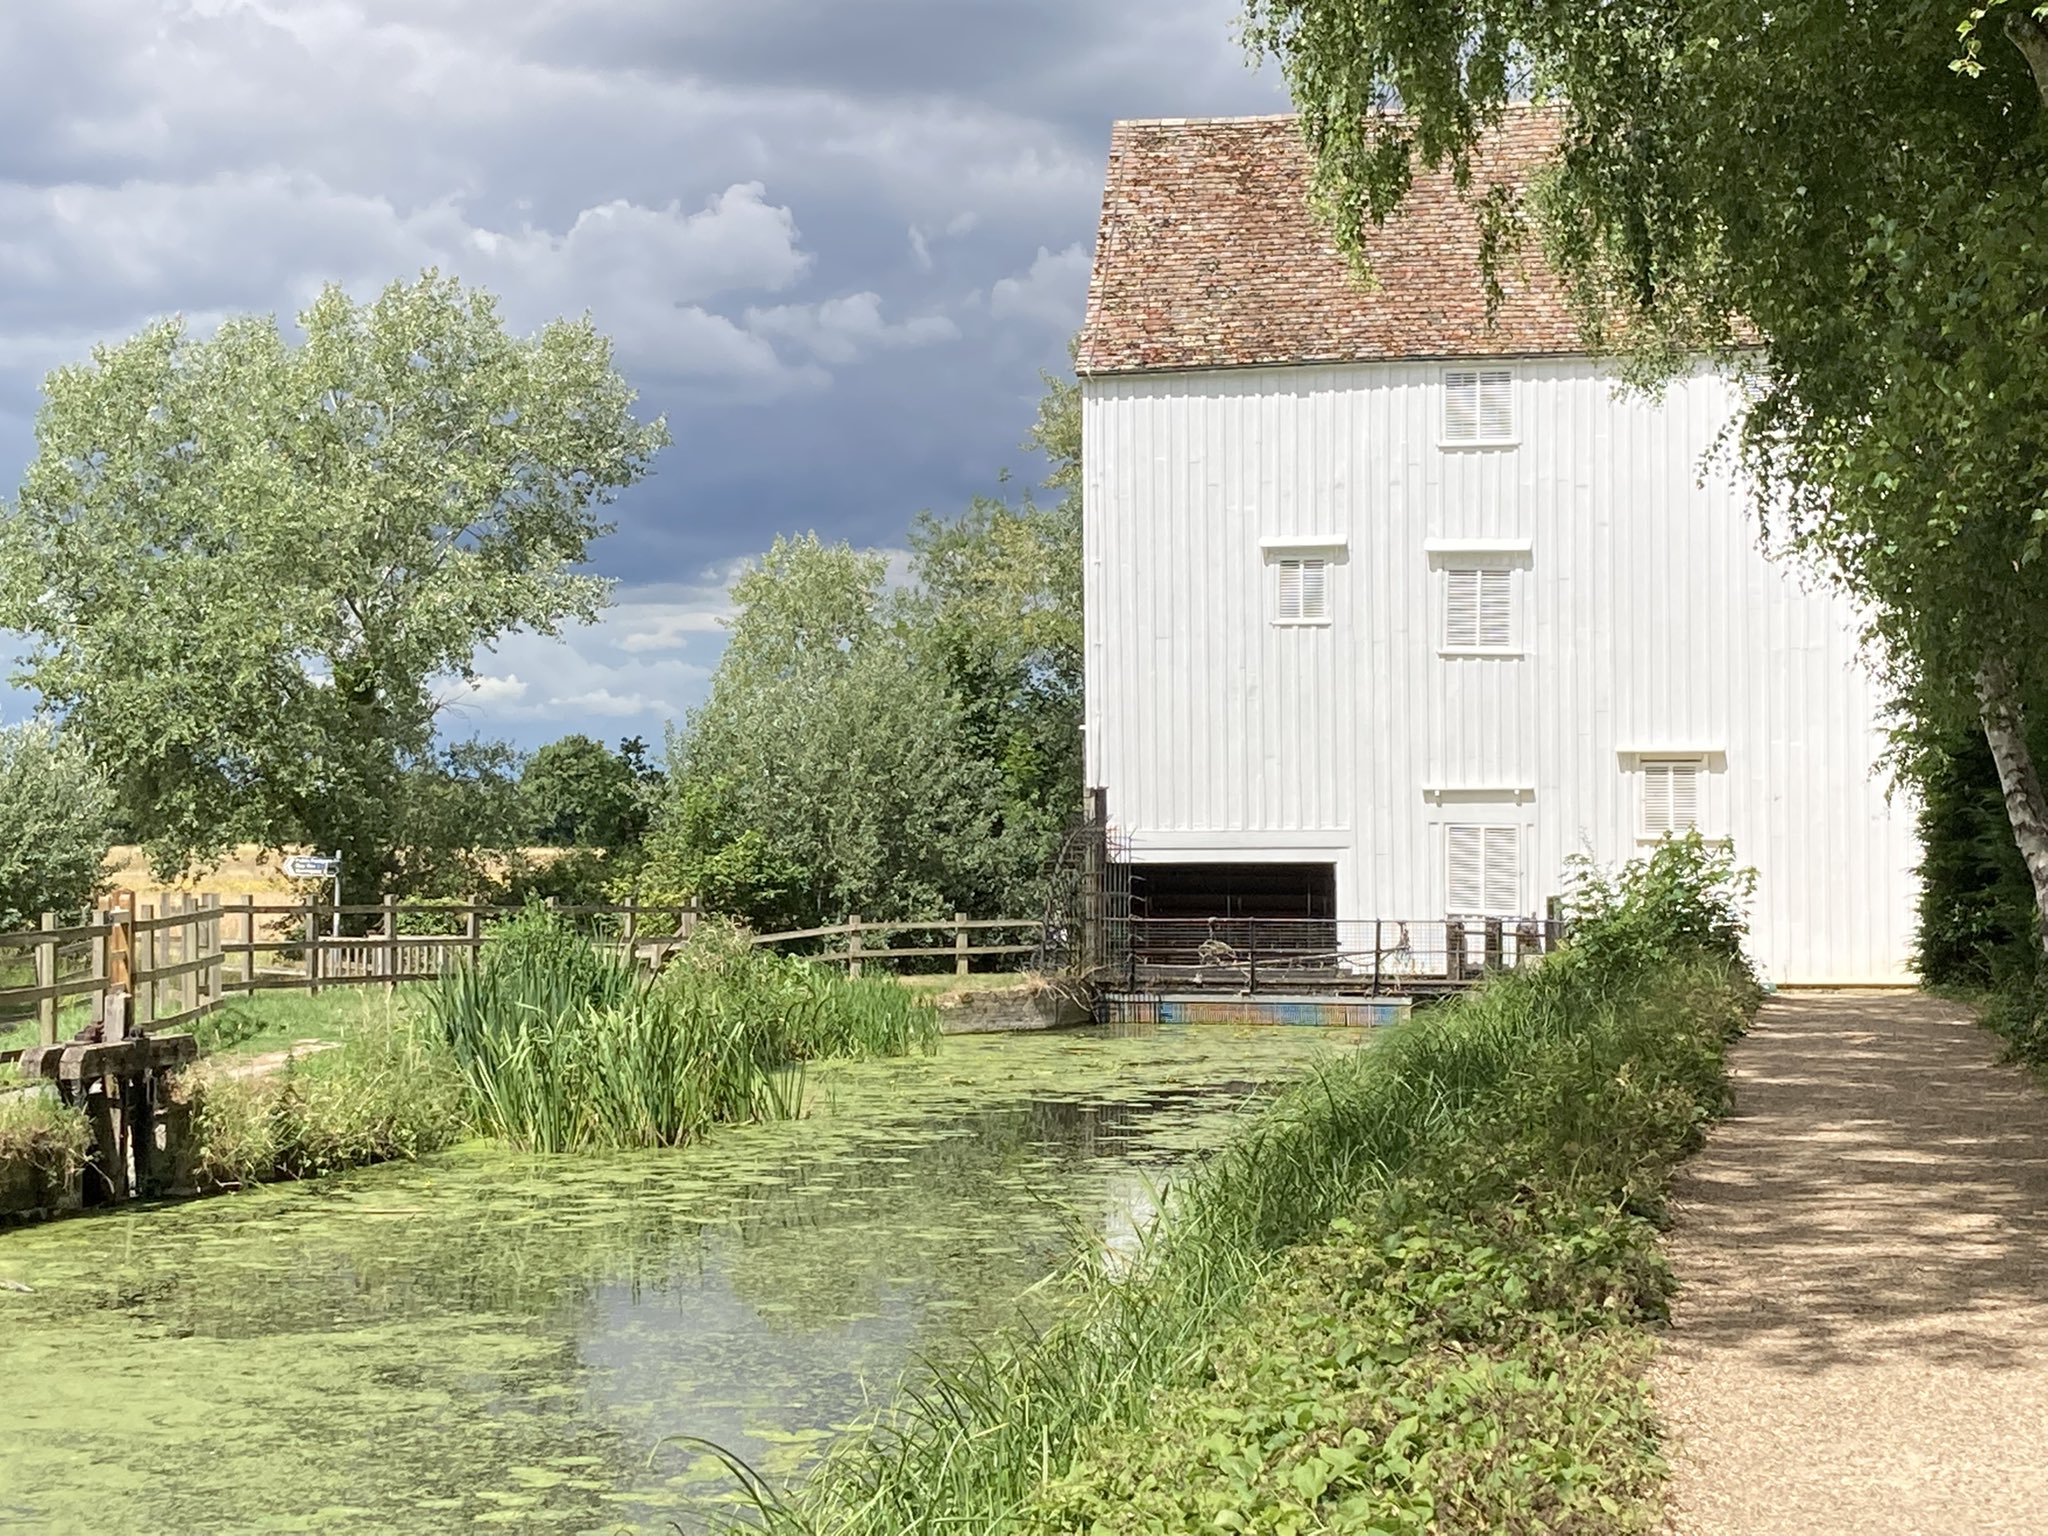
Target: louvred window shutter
(1304,591)
(1467,868)
(1496,405)
(1461,610)
(1496,610)
(1503,870)
(1671,797)
(1461,405)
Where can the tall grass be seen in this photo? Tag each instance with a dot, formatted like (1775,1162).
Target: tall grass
(1595,1070)
(43,1145)
(565,1047)
(386,1094)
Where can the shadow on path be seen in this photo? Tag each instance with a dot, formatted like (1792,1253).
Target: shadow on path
(1860,1342)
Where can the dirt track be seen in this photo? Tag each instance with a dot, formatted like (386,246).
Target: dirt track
(1860,1343)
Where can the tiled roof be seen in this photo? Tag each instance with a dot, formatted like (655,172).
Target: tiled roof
(1210,257)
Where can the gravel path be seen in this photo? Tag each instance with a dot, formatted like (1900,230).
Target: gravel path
(1860,1340)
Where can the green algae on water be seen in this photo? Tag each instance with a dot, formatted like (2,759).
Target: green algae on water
(486,1338)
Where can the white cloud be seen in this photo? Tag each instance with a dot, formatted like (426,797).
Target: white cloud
(1053,292)
(76,251)
(497,690)
(605,704)
(840,330)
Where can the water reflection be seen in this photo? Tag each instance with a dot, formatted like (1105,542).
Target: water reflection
(501,1340)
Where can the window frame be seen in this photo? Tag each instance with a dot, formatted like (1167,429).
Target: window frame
(1507,378)
(1480,570)
(1302,560)
(1650,764)
(1491,835)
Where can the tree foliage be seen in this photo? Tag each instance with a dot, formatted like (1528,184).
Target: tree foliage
(1843,202)
(999,601)
(56,824)
(828,772)
(892,751)
(246,564)
(577,793)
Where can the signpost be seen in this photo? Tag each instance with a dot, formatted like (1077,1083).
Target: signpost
(310,866)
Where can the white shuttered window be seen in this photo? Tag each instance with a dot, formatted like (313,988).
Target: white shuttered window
(1484,878)
(1479,405)
(1672,795)
(1304,592)
(1479,609)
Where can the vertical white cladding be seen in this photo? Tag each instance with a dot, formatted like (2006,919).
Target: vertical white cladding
(1647,626)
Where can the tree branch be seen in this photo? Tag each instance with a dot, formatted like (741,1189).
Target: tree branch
(2026,32)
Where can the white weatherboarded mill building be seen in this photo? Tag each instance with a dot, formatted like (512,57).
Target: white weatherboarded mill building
(1390,610)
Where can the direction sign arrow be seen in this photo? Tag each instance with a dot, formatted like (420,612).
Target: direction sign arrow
(301,866)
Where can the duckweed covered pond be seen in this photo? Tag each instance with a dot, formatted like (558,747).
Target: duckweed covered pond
(547,1343)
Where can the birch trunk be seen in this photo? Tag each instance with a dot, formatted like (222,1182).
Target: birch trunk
(2004,720)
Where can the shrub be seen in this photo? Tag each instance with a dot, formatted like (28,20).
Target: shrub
(43,1146)
(386,1094)
(59,814)
(1686,897)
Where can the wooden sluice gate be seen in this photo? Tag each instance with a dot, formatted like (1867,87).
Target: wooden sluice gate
(119,1074)
(140,1136)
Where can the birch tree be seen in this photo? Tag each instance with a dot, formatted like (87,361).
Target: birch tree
(1843,200)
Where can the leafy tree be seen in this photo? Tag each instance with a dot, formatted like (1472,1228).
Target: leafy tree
(455,822)
(244,563)
(1000,605)
(827,771)
(578,794)
(1830,198)
(56,824)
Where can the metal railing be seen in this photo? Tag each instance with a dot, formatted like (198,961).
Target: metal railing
(1372,957)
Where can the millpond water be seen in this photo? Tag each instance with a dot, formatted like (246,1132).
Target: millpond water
(554,1343)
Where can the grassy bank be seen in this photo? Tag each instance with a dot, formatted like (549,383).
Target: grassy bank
(1411,1298)
(43,1147)
(548,1043)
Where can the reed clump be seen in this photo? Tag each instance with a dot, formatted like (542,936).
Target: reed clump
(564,1046)
(1459,1218)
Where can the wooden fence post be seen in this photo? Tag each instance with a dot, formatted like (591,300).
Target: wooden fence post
(145,962)
(629,931)
(853,945)
(216,971)
(188,951)
(959,943)
(102,925)
(473,934)
(390,943)
(247,968)
(312,950)
(46,976)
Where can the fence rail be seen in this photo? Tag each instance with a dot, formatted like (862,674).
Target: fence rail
(1374,957)
(182,957)
(957,945)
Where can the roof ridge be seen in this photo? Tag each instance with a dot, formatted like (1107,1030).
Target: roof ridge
(1198,122)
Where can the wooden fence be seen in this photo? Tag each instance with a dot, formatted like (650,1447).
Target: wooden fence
(955,942)
(179,959)
(168,958)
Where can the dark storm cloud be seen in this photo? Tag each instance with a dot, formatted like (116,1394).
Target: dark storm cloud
(835,243)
